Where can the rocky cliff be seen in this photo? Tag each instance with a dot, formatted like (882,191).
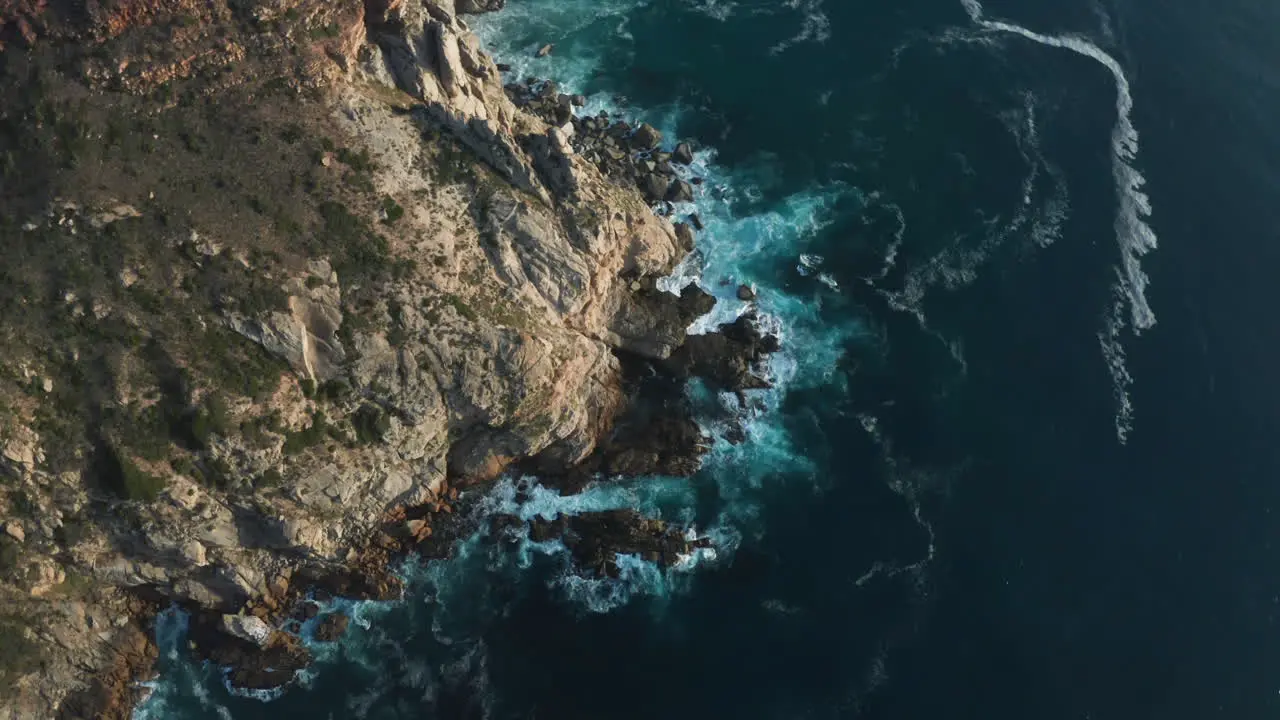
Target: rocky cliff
(283,281)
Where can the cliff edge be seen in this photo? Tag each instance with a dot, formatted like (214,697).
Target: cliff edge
(283,280)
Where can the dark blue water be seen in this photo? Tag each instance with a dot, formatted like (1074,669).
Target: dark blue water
(1002,476)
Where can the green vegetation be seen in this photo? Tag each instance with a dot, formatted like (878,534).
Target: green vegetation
(324,31)
(18,654)
(262,431)
(130,482)
(210,419)
(297,442)
(269,479)
(371,424)
(334,390)
(461,307)
(363,252)
(392,210)
(226,203)
(10,556)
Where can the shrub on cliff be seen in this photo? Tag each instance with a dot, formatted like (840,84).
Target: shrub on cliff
(371,424)
(18,654)
(122,475)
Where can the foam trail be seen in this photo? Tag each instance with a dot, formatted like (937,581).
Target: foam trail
(1132,233)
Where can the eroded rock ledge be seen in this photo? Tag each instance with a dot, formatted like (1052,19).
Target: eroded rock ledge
(292,282)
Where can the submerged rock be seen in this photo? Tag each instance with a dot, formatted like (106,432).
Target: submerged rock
(596,539)
(331,627)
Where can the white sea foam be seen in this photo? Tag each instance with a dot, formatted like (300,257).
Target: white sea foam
(717,9)
(1134,236)
(891,252)
(1109,339)
(1037,219)
(814,25)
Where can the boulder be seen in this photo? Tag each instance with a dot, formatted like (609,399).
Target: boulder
(563,111)
(21,448)
(248,628)
(655,187)
(726,358)
(679,191)
(475,7)
(684,234)
(331,627)
(683,154)
(646,137)
(745,293)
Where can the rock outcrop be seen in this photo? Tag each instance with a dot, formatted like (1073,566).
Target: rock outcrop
(401,280)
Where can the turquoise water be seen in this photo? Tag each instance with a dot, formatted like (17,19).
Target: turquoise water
(1017,461)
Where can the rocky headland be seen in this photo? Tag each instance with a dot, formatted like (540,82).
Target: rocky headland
(287,283)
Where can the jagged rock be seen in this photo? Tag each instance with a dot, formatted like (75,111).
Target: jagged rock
(120,211)
(417,529)
(646,137)
(515,314)
(331,627)
(683,154)
(22,448)
(480,6)
(745,293)
(652,326)
(655,187)
(306,337)
(679,191)
(596,539)
(248,628)
(685,234)
(13,529)
(253,662)
(725,358)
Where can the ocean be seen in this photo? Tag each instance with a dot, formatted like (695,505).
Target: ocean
(1020,459)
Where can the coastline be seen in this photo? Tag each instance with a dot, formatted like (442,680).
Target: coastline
(544,171)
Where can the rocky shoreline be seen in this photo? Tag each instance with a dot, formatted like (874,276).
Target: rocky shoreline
(482,301)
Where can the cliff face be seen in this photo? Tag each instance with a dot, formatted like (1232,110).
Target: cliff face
(280,270)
